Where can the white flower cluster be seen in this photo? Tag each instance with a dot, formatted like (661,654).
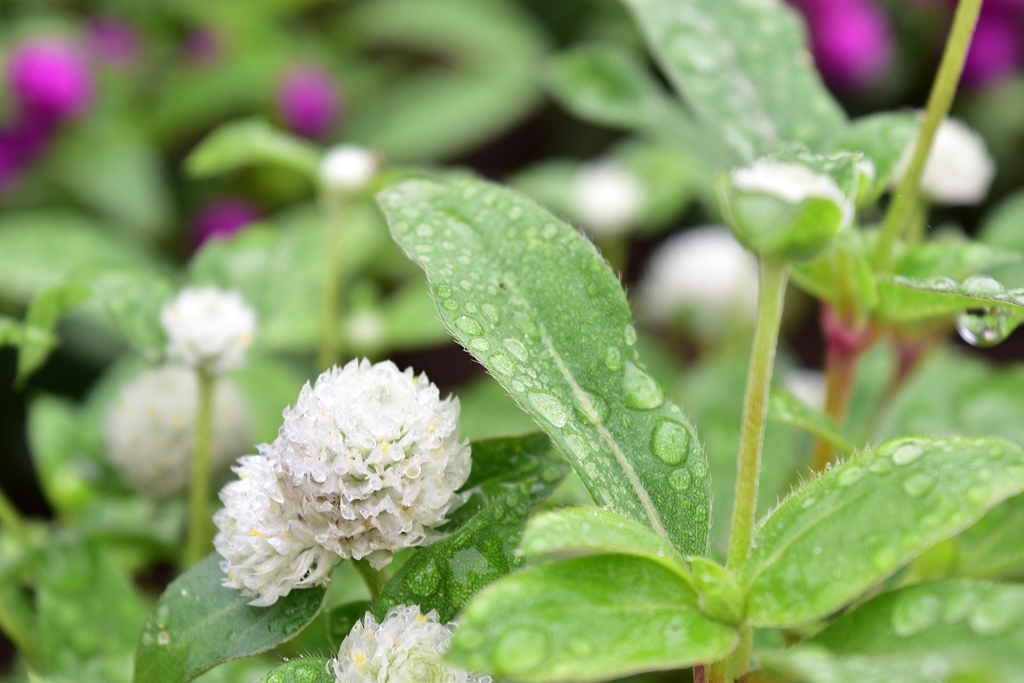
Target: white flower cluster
(607,198)
(703,270)
(959,170)
(366,463)
(208,329)
(151,429)
(406,648)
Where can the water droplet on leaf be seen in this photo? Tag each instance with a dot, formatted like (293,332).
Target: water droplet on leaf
(613,359)
(907,453)
(916,613)
(163,638)
(671,442)
(519,650)
(550,408)
(983,327)
(641,390)
(851,474)
(918,485)
(630,335)
(516,348)
(503,364)
(981,286)
(680,478)
(468,325)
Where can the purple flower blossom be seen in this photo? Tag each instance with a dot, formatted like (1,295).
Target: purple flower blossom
(223,218)
(115,42)
(997,48)
(852,41)
(51,78)
(309,102)
(21,144)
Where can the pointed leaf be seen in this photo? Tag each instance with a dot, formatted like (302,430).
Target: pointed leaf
(785,407)
(590,618)
(538,306)
(859,522)
(995,545)
(305,670)
(249,142)
(883,139)
(593,530)
(741,66)
(955,258)
(904,299)
(445,575)
(198,624)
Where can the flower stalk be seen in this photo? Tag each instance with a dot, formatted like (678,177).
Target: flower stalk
(199,524)
(332,297)
(374,579)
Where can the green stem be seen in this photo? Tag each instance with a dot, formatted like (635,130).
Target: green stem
(939,101)
(20,634)
(332,297)
(11,518)
(198,543)
(772,283)
(375,580)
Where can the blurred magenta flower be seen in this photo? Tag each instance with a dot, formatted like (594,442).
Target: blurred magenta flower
(21,143)
(852,41)
(309,102)
(223,218)
(202,46)
(997,49)
(115,42)
(51,78)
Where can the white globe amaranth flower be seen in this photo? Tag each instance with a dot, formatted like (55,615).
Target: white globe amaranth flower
(208,329)
(376,450)
(959,170)
(268,546)
(407,647)
(703,270)
(349,168)
(151,429)
(607,198)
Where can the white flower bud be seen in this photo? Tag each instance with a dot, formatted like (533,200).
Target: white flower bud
(151,429)
(809,386)
(269,546)
(377,449)
(607,198)
(704,270)
(959,170)
(406,648)
(208,329)
(348,168)
(792,183)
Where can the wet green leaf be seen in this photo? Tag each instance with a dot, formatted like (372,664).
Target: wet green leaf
(445,575)
(89,614)
(530,459)
(741,66)
(785,407)
(954,258)
(857,523)
(904,299)
(304,670)
(882,138)
(198,624)
(590,618)
(843,275)
(342,618)
(593,530)
(250,142)
(538,306)
(995,545)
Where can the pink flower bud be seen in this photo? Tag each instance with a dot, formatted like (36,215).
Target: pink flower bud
(223,218)
(997,48)
(51,77)
(852,41)
(115,42)
(309,102)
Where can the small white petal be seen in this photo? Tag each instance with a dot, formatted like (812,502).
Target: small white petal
(607,198)
(208,329)
(792,183)
(348,168)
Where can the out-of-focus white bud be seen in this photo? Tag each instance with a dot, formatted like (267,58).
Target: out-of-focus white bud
(807,385)
(348,168)
(208,329)
(607,198)
(959,170)
(407,647)
(703,270)
(151,429)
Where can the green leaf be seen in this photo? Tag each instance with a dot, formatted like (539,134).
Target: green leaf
(814,664)
(531,459)
(305,670)
(1002,227)
(488,411)
(593,530)
(859,522)
(742,67)
(198,624)
(89,614)
(342,618)
(538,306)
(590,618)
(66,468)
(843,275)
(40,249)
(445,575)
(785,407)
(905,299)
(882,138)
(954,258)
(953,626)
(251,142)
(995,545)
(490,50)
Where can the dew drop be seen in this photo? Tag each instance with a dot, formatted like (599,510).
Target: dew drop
(162,616)
(916,613)
(907,453)
(641,390)
(577,445)
(424,580)
(978,495)
(491,313)
(680,478)
(550,408)
(580,648)
(549,475)
(468,325)
(943,284)
(981,286)
(424,230)
(851,474)
(918,485)
(503,364)
(808,502)
(516,348)
(519,650)
(163,638)
(885,558)
(524,322)
(515,213)
(671,442)
(450,304)
(881,465)
(995,613)
(630,335)
(480,345)
(613,359)
(983,327)
(593,408)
